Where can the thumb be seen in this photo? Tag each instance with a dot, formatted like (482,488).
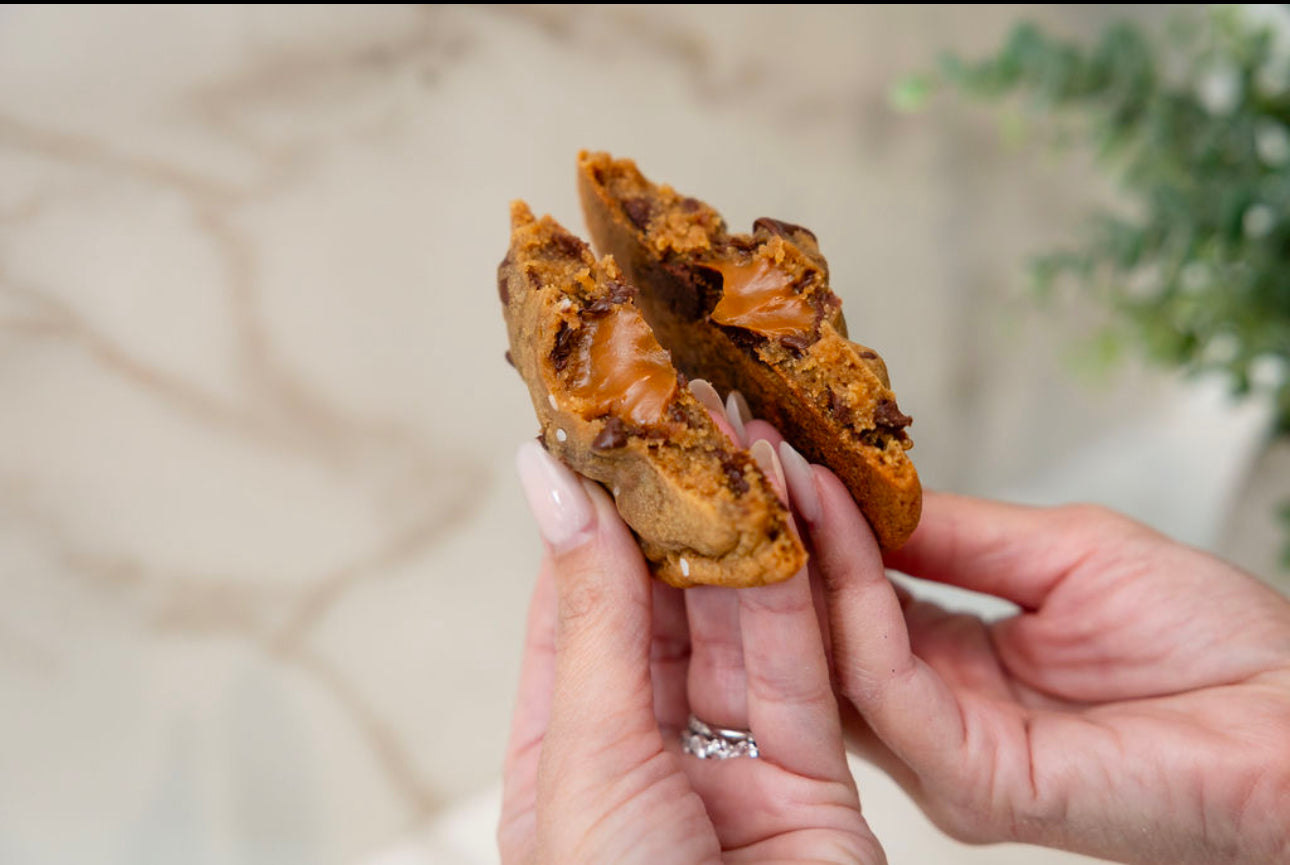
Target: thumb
(602,694)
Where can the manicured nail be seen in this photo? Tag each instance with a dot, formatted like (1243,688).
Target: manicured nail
(764,453)
(737,412)
(559,503)
(801,482)
(707,394)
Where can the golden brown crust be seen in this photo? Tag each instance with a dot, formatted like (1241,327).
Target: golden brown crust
(703,511)
(831,397)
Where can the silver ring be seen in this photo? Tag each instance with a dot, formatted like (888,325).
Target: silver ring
(715,743)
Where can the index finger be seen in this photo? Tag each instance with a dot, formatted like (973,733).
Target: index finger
(1016,552)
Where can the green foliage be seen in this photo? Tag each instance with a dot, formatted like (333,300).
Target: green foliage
(1194,126)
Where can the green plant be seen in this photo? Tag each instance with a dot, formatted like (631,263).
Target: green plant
(1194,126)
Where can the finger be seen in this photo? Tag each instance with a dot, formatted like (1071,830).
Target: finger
(670,658)
(788,676)
(706,394)
(760,429)
(806,504)
(1015,552)
(516,829)
(876,669)
(716,686)
(602,694)
(738,413)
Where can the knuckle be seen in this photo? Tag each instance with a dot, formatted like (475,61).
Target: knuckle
(1087,513)
(778,600)
(1096,519)
(581,597)
(784,685)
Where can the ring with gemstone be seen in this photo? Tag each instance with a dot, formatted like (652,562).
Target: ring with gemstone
(716,743)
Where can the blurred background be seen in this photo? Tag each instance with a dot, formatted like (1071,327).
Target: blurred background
(263,558)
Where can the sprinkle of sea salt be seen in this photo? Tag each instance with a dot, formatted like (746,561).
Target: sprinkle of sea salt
(685,567)
(551,399)
(561,435)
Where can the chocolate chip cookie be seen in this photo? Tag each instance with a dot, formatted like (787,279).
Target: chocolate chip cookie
(754,312)
(611,405)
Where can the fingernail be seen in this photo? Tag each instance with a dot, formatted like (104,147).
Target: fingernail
(801,482)
(707,394)
(737,412)
(764,453)
(559,503)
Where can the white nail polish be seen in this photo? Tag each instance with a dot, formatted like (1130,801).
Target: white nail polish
(736,418)
(801,482)
(764,453)
(707,395)
(560,505)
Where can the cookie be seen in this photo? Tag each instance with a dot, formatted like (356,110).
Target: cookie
(612,406)
(754,312)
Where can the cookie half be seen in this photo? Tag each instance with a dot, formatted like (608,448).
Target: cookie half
(754,312)
(613,407)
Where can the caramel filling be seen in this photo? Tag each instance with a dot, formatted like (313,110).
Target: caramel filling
(758,296)
(622,369)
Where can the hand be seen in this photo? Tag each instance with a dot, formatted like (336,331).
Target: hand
(614,663)
(1137,707)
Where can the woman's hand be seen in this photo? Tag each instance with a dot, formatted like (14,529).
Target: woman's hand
(1137,707)
(614,665)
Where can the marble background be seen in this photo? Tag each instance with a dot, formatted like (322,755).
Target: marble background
(262,555)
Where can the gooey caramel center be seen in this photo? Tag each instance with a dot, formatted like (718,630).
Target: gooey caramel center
(758,296)
(621,368)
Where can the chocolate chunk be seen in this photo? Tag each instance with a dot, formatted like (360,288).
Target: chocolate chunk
(783,229)
(676,412)
(690,205)
(796,344)
(620,292)
(875,438)
(745,339)
(869,355)
(888,415)
(638,210)
(614,435)
(509,359)
(827,305)
(734,474)
(568,246)
(598,307)
(689,291)
(502,290)
(839,409)
(805,281)
(534,277)
(564,339)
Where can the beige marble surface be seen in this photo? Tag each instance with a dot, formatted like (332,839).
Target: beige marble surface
(263,559)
